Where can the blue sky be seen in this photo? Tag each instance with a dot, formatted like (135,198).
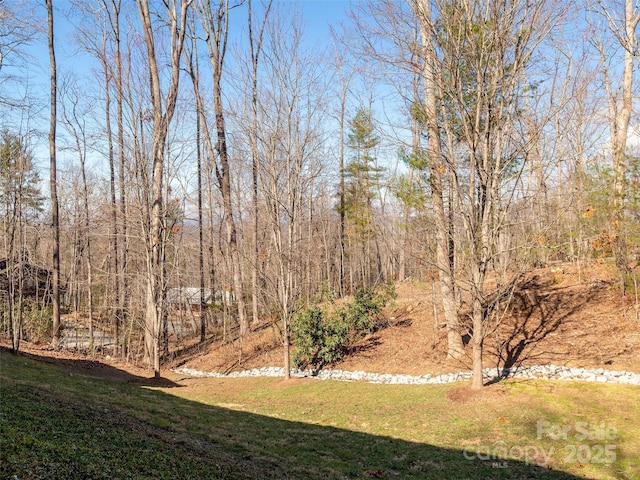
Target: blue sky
(317,15)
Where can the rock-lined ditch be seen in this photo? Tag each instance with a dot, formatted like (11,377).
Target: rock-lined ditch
(550,372)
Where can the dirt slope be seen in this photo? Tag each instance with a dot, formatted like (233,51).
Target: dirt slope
(561,316)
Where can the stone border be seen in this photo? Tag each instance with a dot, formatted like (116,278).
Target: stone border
(547,372)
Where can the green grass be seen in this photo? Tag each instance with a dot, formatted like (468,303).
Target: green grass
(54,424)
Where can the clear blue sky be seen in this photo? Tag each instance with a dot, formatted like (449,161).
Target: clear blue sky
(317,15)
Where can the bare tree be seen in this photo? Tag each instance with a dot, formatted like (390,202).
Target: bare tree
(118,208)
(255,47)
(163,110)
(53,182)
(623,22)
(345,74)
(290,142)
(193,68)
(215,24)
(18,27)
(98,33)
(484,52)
(74,116)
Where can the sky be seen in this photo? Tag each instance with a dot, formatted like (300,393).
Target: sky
(317,15)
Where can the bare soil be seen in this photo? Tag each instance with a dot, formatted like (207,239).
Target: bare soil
(560,315)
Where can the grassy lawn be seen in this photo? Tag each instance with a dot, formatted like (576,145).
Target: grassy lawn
(57,424)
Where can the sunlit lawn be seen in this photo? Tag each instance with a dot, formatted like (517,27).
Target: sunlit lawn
(60,425)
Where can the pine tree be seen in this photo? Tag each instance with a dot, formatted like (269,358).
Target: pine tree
(21,204)
(362,177)
(19,181)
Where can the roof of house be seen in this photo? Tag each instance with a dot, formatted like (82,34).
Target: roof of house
(34,278)
(188,295)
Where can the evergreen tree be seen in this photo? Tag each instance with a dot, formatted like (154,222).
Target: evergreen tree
(21,204)
(19,181)
(362,177)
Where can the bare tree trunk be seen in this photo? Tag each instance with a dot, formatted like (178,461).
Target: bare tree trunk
(10,228)
(117,234)
(216,27)
(437,169)
(203,305)
(619,118)
(230,226)
(194,72)
(53,182)
(311,251)
(476,353)
(156,288)
(342,205)
(87,247)
(112,191)
(255,45)
(121,273)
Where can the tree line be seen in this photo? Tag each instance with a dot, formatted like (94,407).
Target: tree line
(212,144)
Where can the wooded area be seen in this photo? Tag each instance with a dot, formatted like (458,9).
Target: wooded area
(210,146)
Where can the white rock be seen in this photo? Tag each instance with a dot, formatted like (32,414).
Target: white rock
(537,371)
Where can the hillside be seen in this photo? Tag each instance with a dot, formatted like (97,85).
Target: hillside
(66,416)
(74,419)
(561,316)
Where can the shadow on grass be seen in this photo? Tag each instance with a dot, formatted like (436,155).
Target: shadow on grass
(56,425)
(97,369)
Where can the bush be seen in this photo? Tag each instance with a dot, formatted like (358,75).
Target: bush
(325,335)
(35,324)
(37,321)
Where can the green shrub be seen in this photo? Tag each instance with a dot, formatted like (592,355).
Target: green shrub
(35,323)
(361,314)
(325,335)
(307,328)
